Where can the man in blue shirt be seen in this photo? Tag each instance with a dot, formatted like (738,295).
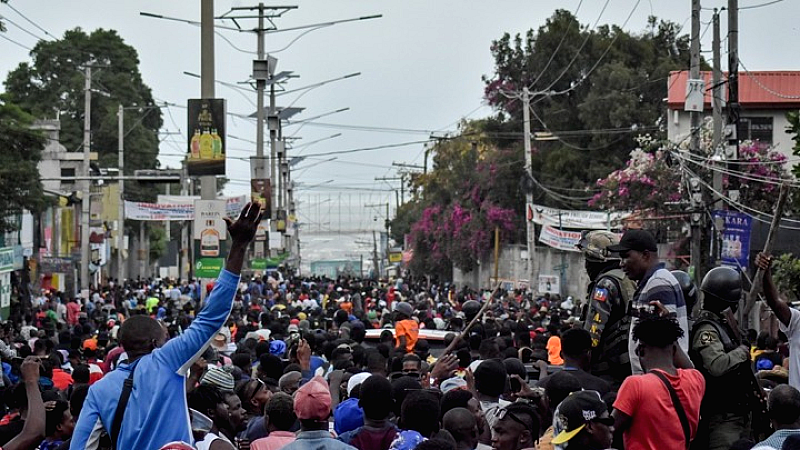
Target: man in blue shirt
(156,412)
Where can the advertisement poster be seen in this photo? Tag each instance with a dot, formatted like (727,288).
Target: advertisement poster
(261,192)
(206,126)
(560,239)
(209,226)
(208,267)
(549,283)
(736,228)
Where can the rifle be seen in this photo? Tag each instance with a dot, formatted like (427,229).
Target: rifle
(761,425)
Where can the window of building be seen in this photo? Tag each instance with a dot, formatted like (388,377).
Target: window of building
(755,129)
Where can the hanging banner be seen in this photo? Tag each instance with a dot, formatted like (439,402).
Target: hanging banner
(736,228)
(159,211)
(233,205)
(549,284)
(560,239)
(177,208)
(581,220)
(206,152)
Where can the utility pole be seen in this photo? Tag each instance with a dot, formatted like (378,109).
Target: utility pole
(530,232)
(121,210)
(718,150)
(208,183)
(183,262)
(85,285)
(733,79)
(375,268)
(697,221)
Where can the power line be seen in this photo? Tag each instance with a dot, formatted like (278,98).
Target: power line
(558,47)
(2,35)
(30,21)
(761,5)
(21,28)
(765,88)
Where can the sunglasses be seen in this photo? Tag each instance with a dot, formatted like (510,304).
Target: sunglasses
(502,413)
(259,386)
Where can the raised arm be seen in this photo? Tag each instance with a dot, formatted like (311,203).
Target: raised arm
(179,352)
(778,306)
(33,430)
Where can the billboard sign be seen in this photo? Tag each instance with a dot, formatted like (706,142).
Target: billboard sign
(206,127)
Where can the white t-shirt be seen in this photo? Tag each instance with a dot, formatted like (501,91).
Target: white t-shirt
(793,333)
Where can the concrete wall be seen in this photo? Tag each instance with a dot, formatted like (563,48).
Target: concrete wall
(513,267)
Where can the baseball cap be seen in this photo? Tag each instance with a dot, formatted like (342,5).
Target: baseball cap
(578,409)
(453,383)
(638,240)
(313,400)
(355,380)
(348,416)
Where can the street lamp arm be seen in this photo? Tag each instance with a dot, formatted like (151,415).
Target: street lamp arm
(176,19)
(316,85)
(325,24)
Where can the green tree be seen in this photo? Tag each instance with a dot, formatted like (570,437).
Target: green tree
(598,88)
(787,275)
(53,85)
(20,152)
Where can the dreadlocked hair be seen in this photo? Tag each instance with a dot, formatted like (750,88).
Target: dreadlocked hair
(657,331)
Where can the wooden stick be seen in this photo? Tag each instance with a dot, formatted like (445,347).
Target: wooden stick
(473,321)
(758,279)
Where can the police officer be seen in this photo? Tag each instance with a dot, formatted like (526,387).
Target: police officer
(725,409)
(605,314)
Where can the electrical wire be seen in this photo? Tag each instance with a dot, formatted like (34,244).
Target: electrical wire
(597,63)
(761,5)
(752,212)
(558,47)
(30,21)
(765,88)
(2,35)
(578,52)
(38,38)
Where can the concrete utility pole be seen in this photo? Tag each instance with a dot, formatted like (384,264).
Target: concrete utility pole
(530,232)
(733,79)
(208,183)
(694,74)
(719,152)
(183,262)
(85,284)
(121,210)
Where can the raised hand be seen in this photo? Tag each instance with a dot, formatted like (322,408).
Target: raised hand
(244,229)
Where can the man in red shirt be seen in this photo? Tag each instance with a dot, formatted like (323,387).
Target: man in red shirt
(644,411)
(73,309)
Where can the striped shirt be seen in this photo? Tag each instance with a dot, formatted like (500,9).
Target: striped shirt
(658,284)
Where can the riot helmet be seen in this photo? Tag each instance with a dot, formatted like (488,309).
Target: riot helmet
(594,245)
(688,287)
(470,309)
(722,287)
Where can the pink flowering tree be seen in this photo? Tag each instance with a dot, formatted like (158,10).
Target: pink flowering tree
(651,178)
(473,188)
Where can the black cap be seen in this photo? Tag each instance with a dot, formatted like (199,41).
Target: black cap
(639,240)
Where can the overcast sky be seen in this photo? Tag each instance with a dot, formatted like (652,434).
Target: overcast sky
(421,68)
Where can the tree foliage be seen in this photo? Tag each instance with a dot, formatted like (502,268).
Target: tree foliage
(473,188)
(52,85)
(596,89)
(20,152)
(787,275)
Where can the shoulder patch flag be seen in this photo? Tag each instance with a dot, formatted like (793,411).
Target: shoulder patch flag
(600,294)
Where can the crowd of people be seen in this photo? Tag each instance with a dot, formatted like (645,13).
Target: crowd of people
(268,363)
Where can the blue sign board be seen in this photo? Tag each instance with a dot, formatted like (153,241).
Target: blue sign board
(735,232)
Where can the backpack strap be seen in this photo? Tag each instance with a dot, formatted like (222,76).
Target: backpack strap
(676,402)
(127,387)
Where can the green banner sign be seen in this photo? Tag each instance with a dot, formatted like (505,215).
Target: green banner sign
(268,263)
(208,267)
